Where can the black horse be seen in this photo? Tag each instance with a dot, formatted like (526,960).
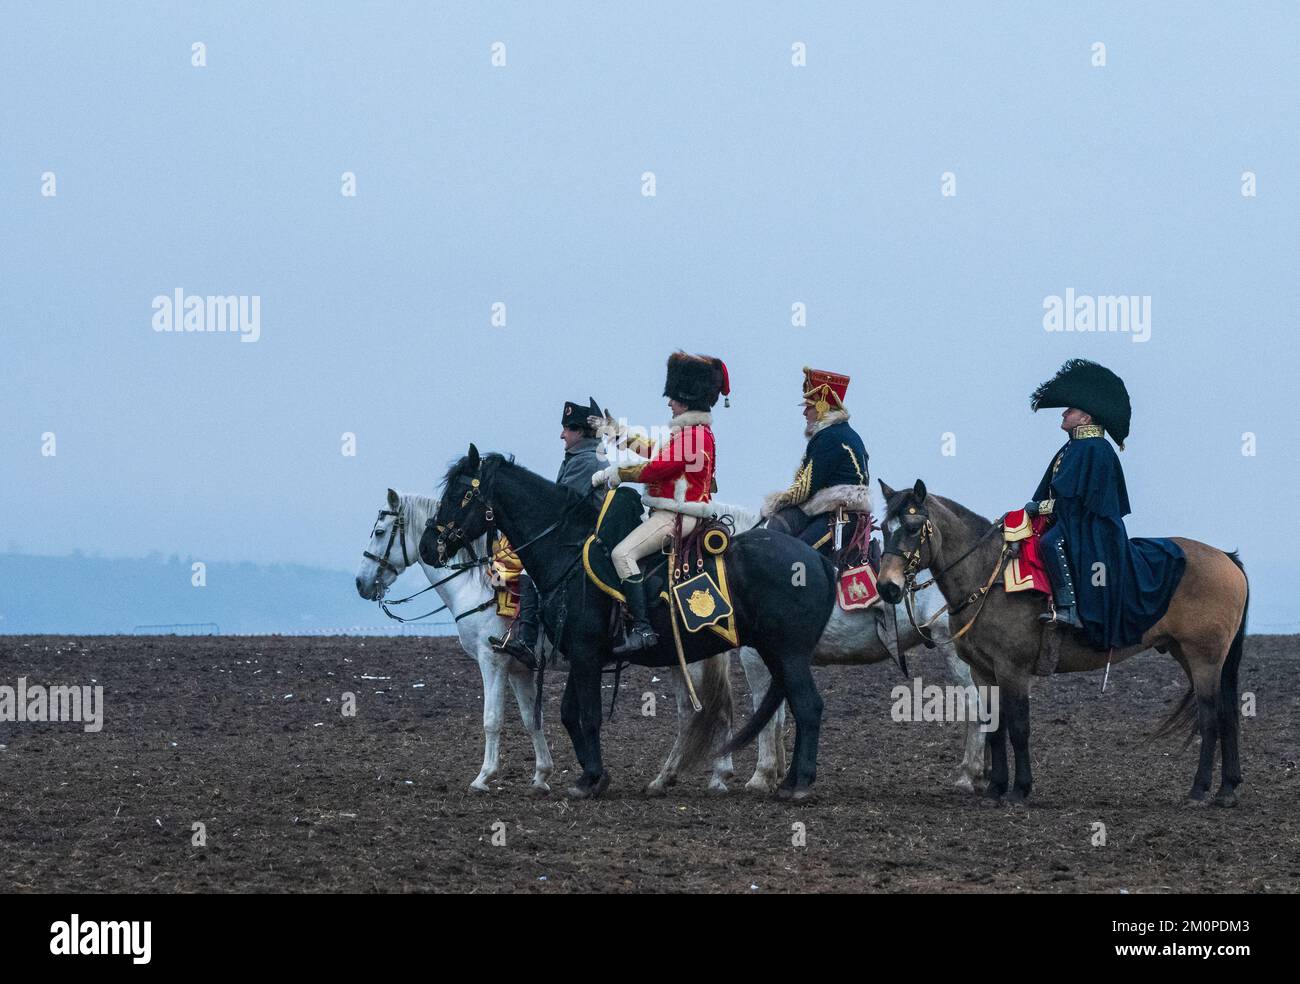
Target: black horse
(781,591)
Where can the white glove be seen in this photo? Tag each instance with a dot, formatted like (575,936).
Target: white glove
(606,476)
(607,428)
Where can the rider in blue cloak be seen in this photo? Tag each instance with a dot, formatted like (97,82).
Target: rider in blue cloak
(1110,587)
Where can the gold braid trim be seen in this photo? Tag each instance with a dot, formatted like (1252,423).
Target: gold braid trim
(631,473)
(802,487)
(862,479)
(640,445)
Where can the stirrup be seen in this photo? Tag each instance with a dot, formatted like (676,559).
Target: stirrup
(638,638)
(1056,618)
(514,648)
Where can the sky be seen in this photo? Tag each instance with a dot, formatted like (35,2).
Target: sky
(827,184)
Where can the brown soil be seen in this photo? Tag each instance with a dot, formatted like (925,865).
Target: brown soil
(296,797)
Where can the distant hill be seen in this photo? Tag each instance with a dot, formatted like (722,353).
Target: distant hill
(80,594)
(83,595)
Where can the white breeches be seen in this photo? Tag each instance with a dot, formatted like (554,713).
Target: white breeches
(650,537)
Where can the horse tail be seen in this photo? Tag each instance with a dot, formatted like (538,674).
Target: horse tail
(1229,694)
(767,707)
(1185,714)
(1182,716)
(707,728)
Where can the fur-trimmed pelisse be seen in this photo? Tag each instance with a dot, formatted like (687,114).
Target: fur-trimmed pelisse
(1092,388)
(696,380)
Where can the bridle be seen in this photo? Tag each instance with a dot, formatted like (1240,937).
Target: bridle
(475,491)
(399,527)
(399,532)
(912,566)
(446,531)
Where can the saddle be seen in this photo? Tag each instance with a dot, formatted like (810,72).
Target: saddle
(698,580)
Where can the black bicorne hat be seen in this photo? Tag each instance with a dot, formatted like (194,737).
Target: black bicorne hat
(1091,388)
(696,380)
(575,414)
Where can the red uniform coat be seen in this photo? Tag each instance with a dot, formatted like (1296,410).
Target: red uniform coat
(689,454)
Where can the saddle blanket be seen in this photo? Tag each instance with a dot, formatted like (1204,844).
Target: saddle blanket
(855,588)
(1025,570)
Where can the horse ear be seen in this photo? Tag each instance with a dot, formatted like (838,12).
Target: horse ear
(473,457)
(918,490)
(393,501)
(885,490)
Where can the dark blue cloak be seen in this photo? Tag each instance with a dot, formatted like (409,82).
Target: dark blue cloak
(1140,575)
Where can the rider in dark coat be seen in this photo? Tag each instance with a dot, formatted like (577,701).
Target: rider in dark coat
(581,461)
(832,479)
(1111,587)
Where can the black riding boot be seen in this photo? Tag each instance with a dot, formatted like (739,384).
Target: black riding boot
(1058,570)
(521,641)
(641,635)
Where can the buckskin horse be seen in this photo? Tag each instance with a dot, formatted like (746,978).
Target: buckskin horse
(781,595)
(999,634)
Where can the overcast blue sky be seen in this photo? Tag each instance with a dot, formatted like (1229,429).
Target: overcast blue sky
(775,184)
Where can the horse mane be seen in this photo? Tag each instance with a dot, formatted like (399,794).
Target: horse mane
(969,518)
(491,464)
(426,503)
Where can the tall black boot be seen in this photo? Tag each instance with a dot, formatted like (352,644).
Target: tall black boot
(641,635)
(1067,613)
(521,641)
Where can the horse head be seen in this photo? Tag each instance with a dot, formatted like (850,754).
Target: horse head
(910,539)
(388,552)
(463,514)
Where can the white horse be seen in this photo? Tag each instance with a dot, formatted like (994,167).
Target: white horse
(395,544)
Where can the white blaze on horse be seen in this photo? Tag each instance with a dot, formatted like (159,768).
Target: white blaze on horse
(471,601)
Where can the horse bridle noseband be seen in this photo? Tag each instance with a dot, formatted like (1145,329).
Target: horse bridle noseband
(912,566)
(399,527)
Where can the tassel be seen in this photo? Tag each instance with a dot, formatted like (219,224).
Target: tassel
(726,401)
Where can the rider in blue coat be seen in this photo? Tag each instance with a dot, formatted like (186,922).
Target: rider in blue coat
(1110,587)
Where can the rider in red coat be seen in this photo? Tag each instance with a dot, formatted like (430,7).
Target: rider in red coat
(679,479)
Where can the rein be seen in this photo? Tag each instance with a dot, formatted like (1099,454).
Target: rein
(911,588)
(399,527)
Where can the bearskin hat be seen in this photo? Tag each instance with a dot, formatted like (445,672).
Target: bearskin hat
(1092,388)
(696,380)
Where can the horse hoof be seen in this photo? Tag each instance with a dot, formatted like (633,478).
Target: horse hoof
(539,790)
(717,788)
(1016,797)
(586,790)
(761,782)
(802,795)
(1225,798)
(784,792)
(655,790)
(964,784)
(1194,801)
(479,787)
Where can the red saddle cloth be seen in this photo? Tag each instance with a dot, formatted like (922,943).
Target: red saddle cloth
(1025,570)
(855,587)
